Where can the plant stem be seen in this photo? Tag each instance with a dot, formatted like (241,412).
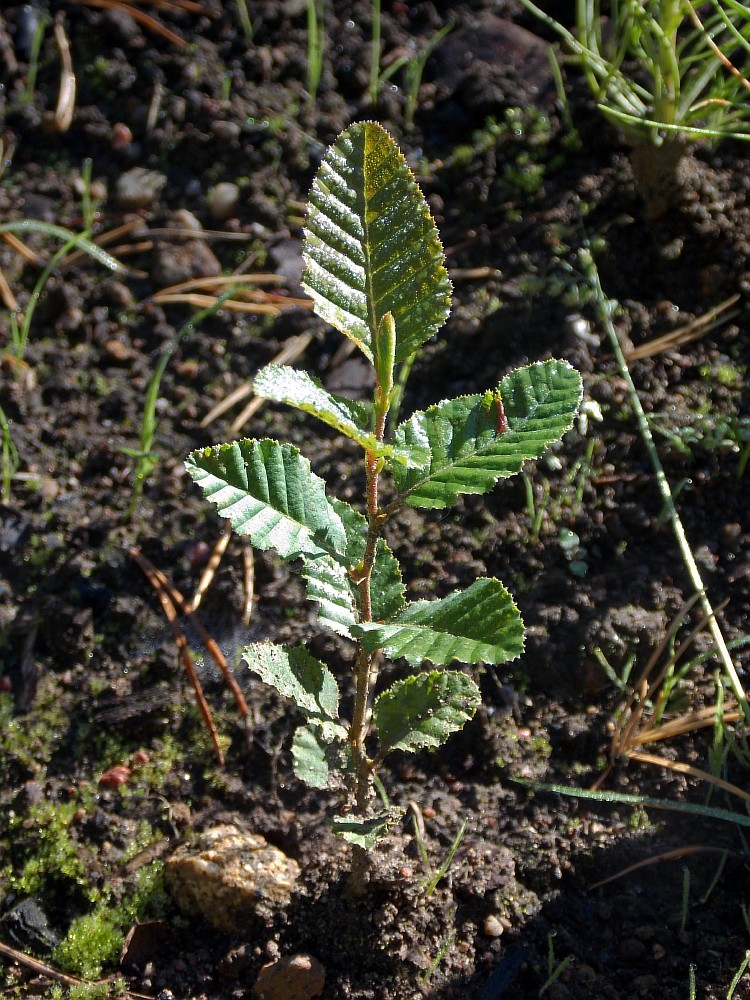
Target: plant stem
(604,307)
(365,668)
(375,53)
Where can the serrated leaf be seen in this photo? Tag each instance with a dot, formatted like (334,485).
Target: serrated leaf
(371,246)
(386,585)
(467,446)
(283,384)
(424,710)
(300,677)
(319,762)
(479,624)
(268,492)
(366,832)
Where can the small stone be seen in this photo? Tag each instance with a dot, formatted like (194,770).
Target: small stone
(223,200)
(118,350)
(228,876)
(493,926)
(138,188)
(176,262)
(224,130)
(296,977)
(632,950)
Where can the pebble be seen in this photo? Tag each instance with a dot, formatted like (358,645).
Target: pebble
(224,130)
(296,977)
(228,875)
(138,188)
(632,950)
(223,200)
(493,926)
(118,350)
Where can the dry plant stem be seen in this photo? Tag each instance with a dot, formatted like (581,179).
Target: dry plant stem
(604,308)
(158,579)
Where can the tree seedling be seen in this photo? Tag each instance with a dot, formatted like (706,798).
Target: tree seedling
(374,268)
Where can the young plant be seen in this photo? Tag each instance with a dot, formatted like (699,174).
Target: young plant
(664,70)
(374,268)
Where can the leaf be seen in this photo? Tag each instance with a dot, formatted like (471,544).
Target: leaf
(386,585)
(424,710)
(479,624)
(466,446)
(371,246)
(268,492)
(366,832)
(319,762)
(287,385)
(300,677)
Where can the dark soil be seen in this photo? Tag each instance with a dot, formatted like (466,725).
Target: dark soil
(89,673)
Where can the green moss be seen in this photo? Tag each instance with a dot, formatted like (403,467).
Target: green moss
(94,941)
(44,856)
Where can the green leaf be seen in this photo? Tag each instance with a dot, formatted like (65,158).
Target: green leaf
(300,677)
(268,492)
(479,624)
(366,832)
(371,246)
(386,585)
(319,762)
(466,446)
(287,385)
(424,710)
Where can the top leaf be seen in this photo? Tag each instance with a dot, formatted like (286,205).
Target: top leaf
(371,246)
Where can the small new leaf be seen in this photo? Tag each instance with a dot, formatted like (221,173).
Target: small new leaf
(424,710)
(479,624)
(366,832)
(470,442)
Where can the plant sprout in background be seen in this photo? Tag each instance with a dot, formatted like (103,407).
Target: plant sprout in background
(664,70)
(315,46)
(374,268)
(9,459)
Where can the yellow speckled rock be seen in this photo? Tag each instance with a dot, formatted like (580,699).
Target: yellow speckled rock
(227,875)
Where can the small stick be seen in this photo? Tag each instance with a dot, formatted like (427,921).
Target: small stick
(20,247)
(248,580)
(211,645)
(42,969)
(158,582)
(206,301)
(291,351)
(222,281)
(6,294)
(691,331)
(695,772)
(66,101)
(210,571)
(138,15)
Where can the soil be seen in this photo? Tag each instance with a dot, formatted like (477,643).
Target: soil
(89,671)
